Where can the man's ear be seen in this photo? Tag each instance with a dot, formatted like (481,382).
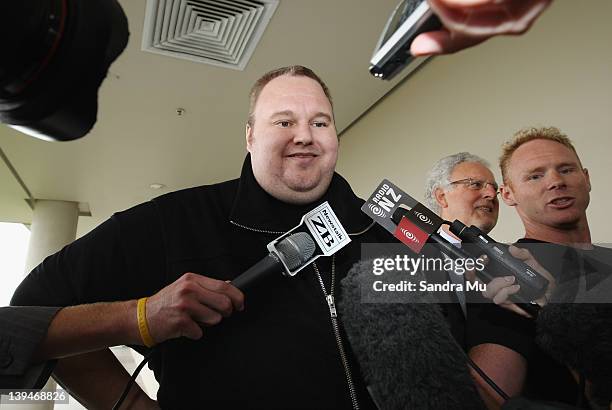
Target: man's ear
(588,178)
(248,132)
(507,195)
(440,196)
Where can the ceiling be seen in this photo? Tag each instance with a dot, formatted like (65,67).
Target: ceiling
(139,139)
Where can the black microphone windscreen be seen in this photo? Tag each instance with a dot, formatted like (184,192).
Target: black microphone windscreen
(406,352)
(579,335)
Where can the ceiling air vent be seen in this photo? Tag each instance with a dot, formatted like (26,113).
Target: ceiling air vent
(218,32)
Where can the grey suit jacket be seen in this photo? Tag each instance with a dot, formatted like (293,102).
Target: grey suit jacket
(22,329)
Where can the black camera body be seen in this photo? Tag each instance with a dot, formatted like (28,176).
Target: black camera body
(60,54)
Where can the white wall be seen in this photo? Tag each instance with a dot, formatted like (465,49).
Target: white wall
(559,73)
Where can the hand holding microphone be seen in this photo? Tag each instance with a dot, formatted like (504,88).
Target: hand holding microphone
(195,301)
(500,289)
(414,224)
(502,261)
(192,301)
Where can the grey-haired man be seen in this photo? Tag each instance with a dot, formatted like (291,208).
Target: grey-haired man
(461,186)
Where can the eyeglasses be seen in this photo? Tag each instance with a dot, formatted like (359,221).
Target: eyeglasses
(476,184)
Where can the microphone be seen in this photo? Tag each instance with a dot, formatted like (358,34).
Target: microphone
(413,224)
(533,285)
(579,335)
(294,250)
(319,233)
(407,355)
(447,247)
(452,251)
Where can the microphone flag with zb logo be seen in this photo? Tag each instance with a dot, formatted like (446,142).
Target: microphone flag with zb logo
(324,227)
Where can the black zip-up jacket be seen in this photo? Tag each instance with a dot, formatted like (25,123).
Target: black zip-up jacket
(280,352)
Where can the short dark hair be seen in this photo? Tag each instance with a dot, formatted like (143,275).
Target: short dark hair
(293,71)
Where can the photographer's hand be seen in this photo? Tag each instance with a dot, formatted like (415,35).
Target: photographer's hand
(470,22)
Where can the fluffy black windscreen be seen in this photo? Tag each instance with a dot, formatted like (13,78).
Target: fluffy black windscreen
(579,335)
(406,352)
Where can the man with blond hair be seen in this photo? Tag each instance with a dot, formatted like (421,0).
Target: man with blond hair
(545,181)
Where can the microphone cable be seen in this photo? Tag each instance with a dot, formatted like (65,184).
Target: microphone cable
(130,383)
(487,379)
(473,365)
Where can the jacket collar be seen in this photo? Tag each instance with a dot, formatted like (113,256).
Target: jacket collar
(254,208)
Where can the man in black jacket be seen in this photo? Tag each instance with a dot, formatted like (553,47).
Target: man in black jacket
(180,250)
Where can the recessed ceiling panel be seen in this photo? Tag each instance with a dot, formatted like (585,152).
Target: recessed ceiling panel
(218,32)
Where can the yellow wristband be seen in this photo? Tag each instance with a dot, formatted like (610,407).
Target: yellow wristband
(142,323)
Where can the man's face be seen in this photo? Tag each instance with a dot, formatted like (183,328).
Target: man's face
(478,207)
(547,185)
(293,141)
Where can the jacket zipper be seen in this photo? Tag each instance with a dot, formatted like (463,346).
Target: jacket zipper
(329,298)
